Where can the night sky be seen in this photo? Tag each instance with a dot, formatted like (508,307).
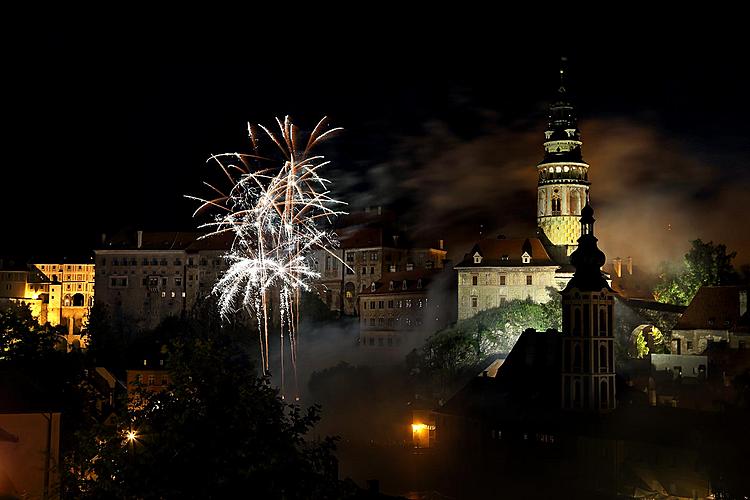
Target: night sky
(109,128)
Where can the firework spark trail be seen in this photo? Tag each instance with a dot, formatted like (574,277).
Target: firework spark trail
(277,217)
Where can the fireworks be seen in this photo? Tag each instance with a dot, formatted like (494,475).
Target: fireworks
(278,215)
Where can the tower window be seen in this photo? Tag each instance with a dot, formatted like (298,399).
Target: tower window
(529,279)
(477,258)
(475,280)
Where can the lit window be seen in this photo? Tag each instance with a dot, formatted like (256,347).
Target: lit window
(477,258)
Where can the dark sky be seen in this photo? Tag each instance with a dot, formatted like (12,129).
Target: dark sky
(107,128)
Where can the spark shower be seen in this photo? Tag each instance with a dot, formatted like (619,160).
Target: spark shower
(278,212)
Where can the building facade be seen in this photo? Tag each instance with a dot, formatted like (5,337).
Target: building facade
(58,292)
(145,277)
(400,303)
(499,270)
(716,314)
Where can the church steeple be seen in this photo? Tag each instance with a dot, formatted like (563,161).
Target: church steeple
(563,175)
(588,350)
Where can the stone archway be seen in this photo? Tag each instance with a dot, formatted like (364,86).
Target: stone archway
(644,338)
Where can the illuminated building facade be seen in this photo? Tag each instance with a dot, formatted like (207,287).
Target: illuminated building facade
(59,292)
(498,270)
(563,185)
(145,277)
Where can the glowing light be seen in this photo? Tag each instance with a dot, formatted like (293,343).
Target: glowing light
(131,436)
(278,215)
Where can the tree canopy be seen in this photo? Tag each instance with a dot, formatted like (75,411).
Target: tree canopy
(218,430)
(704,264)
(448,354)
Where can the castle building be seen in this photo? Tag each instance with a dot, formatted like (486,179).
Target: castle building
(524,268)
(504,269)
(58,291)
(145,277)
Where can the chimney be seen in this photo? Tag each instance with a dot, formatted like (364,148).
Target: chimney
(630,265)
(617,261)
(140,239)
(441,244)
(743,302)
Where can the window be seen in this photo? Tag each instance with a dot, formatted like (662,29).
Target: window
(502,280)
(151,379)
(364,304)
(118,282)
(163,262)
(529,280)
(690,345)
(154,262)
(372,270)
(177,262)
(477,258)
(372,321)
(381,322)
(178,281)
(403,285)
(475,280)
(153,281)
(381,304)
(526,258)
(474,302)
(407,303)
(364,270)
(350,256)
(173,294)
(390,286)
(373,255)
(390,304)
(372,287)
(164,282)
(419,283)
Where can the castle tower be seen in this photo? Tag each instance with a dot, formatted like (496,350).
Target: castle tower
(563,185)
(588,350)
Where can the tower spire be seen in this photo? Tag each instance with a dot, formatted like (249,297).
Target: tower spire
(563,63)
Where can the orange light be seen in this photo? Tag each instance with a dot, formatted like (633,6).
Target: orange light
(418,427)
(131,435)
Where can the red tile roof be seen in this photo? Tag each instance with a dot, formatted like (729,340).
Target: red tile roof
(507,253)
(712,308)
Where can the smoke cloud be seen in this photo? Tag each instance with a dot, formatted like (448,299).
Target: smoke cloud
(652,193)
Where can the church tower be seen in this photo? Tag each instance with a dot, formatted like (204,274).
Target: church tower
(588,345)
(563,185)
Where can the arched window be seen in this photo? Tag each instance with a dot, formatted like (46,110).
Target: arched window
(403,285)
(603,358)
(78,300)
(602,321)
(577,322)
(372,287)
(390,285)
(604,394)
(576,357)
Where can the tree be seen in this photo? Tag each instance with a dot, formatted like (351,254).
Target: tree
(22,338)
(704,264)
(447,356)
(218,430)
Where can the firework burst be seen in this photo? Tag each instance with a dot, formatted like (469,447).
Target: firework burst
(278,215)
